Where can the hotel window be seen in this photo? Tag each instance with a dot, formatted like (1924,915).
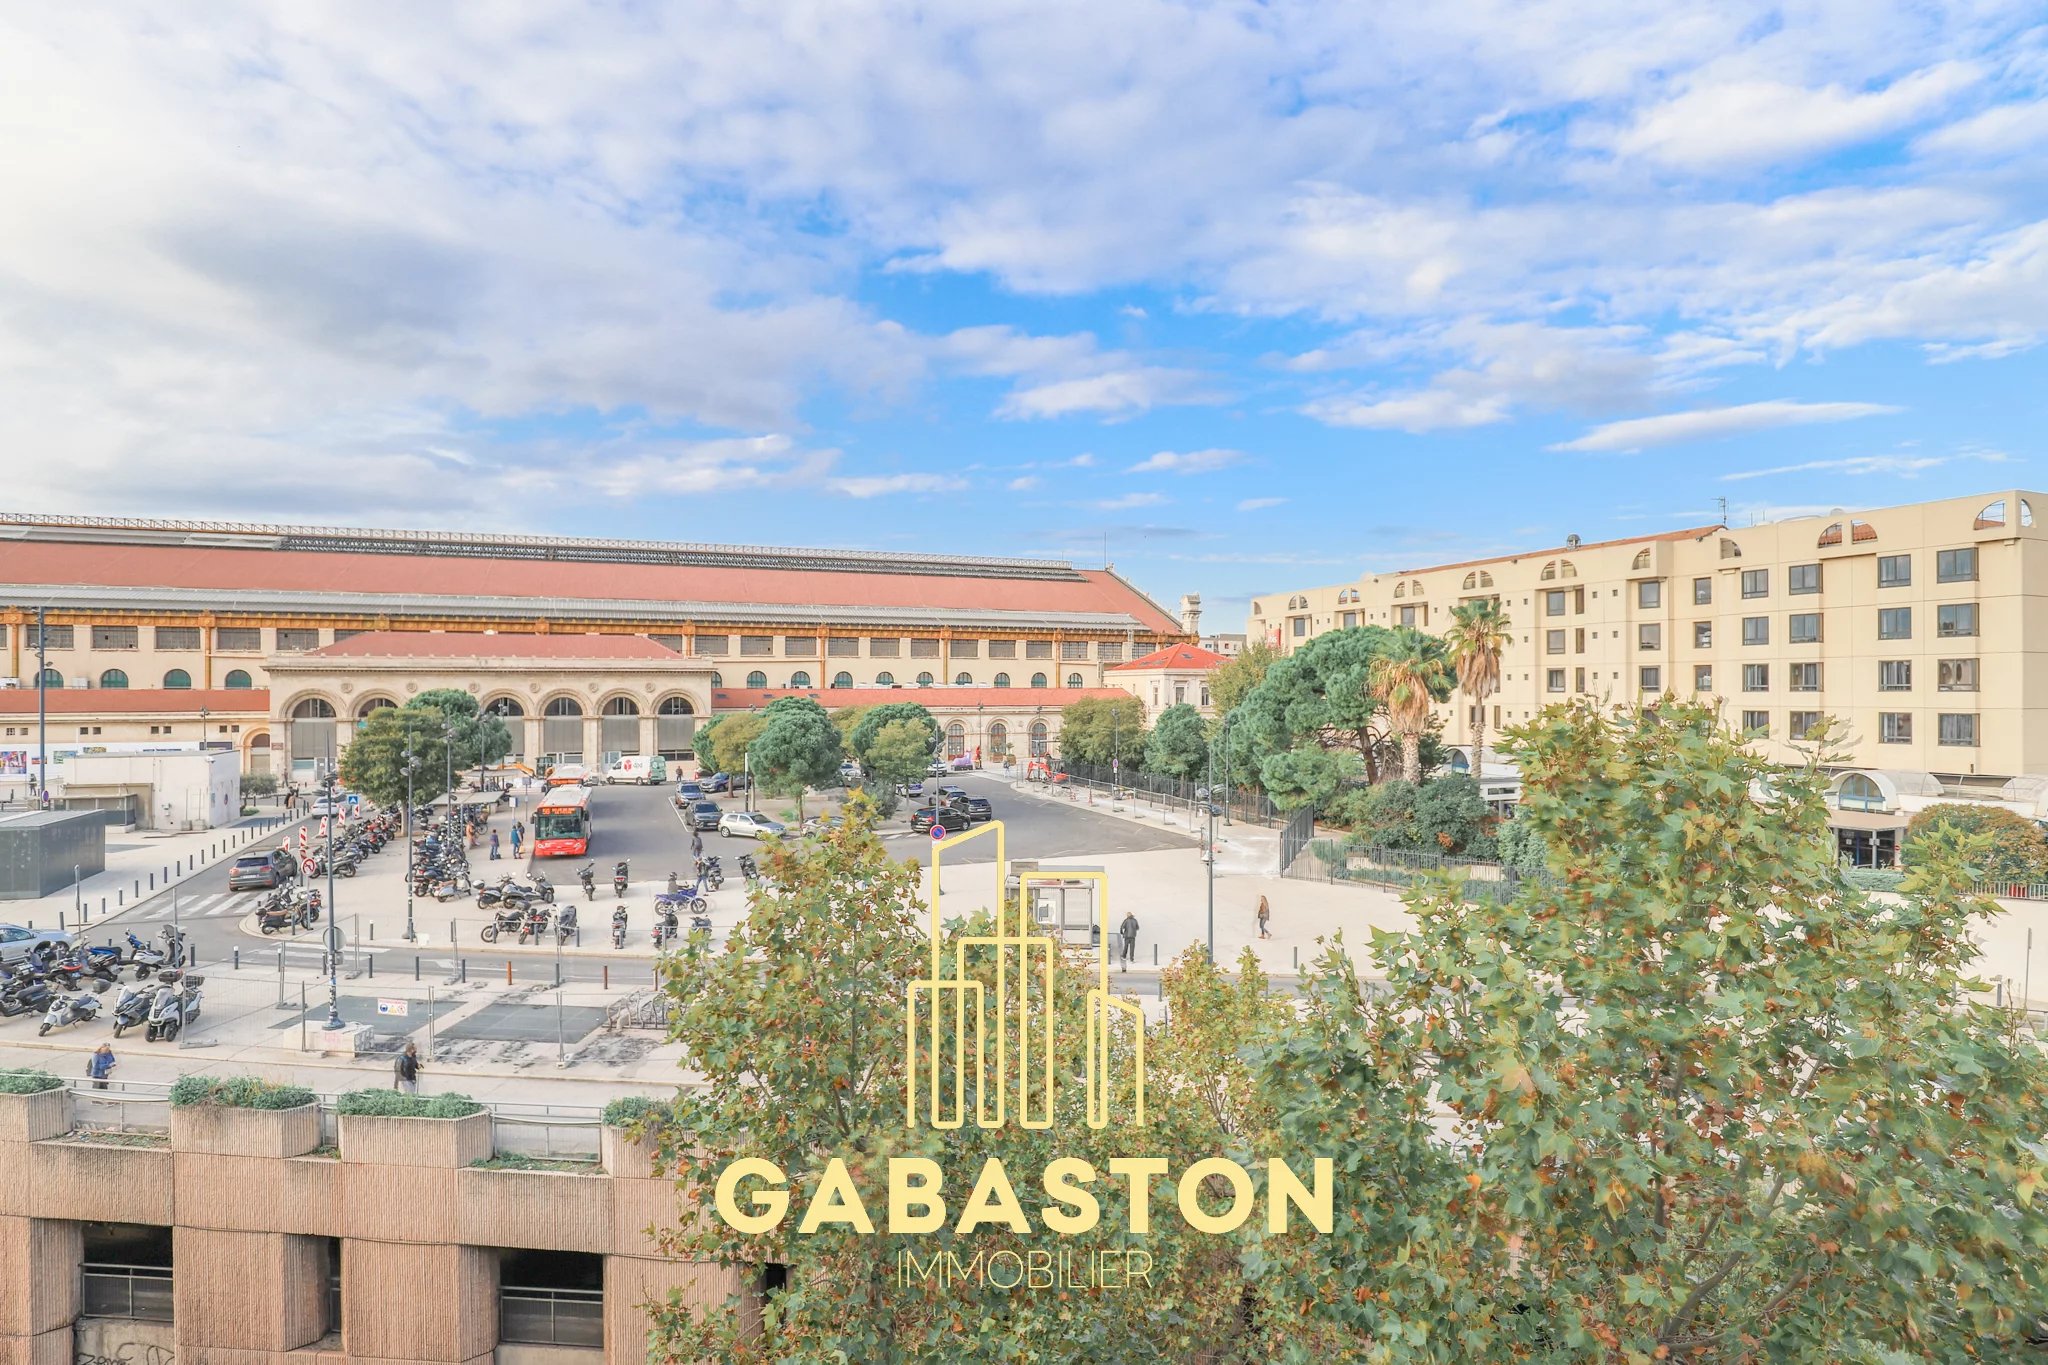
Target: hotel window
(929,649)
(1554,680)
(1955,566)
(1756,582)
(843,647)
(177,637)
(115,637)
(1702,591)
(799,646)
(885,679)
(1895,623)
(1650,594)
(1578,680)
(1038,649)
(1756,630)
(1957,675)
(1650,679)
(297,640)
(964,649)
(1756,677)
(1073,680)
(1703,635)
(1579,640)
(757,644)
(1804,678)
(799,679)
(1756,723)
(52,637)
(1408,615)
(1895,727)
(1553,602)
(1894,571)
(1958,618)
(1803,628)
(1803,723)
(1802,578)
(890,648)
(1703,678)
(1649,636)
(1895,675)
(1955,729)
(1350,619)
(1553,642)
(1300,627)
(713,644)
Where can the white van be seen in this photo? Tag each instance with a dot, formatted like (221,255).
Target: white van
(639,769)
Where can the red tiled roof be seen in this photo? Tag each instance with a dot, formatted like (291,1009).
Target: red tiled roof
(228,569)
(1177,656)
(105,701)
(434,644)
(935,698)
(1690,533)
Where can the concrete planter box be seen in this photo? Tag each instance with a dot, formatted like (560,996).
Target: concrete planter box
(368,1140)
(622,1155)
(96,1182)
(556,1210)
(225,1130)
(32,1118)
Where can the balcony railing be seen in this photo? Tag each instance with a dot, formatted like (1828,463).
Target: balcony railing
(551,1317)
(124,1291)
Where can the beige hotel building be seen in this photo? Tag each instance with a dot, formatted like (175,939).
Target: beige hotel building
(1918,627)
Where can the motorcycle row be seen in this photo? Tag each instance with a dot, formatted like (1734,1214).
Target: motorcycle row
(681,898)
(53,981)
(353,842)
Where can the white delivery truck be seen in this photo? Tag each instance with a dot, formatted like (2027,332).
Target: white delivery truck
(640,769)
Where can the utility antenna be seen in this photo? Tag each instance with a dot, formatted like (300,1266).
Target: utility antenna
(1724,510)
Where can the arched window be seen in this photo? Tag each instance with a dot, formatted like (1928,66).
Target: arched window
(2026,513)
(1038,679)
(1858,792)
(618,726)
(924,680)
(717,679)
(998,738)
(962,680)
(755,679)
(675,727)
(1991,514)
(885,679)
(113,677)
(1038,739)
(236,680)
(1471,581)
(1002,680)
(561,730)
(956,740)
(1415,587)
(1642,559)
(842,679)
(1729,549)
(1074,680)
(1549,572)
(506,708)
(799,679)
(676,706)
(52,678)
(1566,569)
(1400,590)
(563,706)
(622,706)
(369,704)
(313,708)
(1485,579)
(177,678)
(1831,536)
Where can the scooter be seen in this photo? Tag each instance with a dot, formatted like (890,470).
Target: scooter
(619,927)
(176,1005)
(749,869)
(278,917)
(105,962)
(664,928)
(145,958)
(507,921)
(535,925)
(544,888)
(21,993)
(174,946)
(708,870)
(620,874)
(565,925)
(588,876)
(62,973)
(67,1010)
(131,1008)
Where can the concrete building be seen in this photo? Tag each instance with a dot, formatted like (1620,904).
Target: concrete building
(189,790)
(1910,625)
(1178,674)
(243,1240)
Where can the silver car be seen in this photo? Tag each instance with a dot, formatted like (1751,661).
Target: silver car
(747,824)
(15,941)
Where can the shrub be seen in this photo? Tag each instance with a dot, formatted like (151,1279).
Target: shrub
(391,1104)
(1874,878)
(630,1110)
(238,1092)
(2016,852)
(1519,845)
(27,1081)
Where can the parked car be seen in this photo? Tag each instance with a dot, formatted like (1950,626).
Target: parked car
(910,788)
(324,805)
(937,768)
(823,824)
(691,791)
(749,824)
(704,815)
(260,871)
(948,793)
(849,771)
(977,807)
(949,818)
(16,942)
(960,763)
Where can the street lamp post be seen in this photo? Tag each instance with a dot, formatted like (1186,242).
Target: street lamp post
(412,765)
(448,755)
(1206,795)
(203,714)
(329,777)
(42,711)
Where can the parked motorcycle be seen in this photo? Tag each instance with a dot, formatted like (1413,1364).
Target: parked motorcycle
(588,876)
(620,874)
(67,1010)
(278,916)
(619,927)
(508,920)
(750,870)
(131,1007)
(565,924)
(664,928)
(175,1006)
(146,958)
(21,993)
(535,925)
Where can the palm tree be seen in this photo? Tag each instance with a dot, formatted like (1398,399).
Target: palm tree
(1405,682)
(1478,634)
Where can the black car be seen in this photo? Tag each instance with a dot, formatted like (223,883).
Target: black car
(949,818)
(703,815)
(977,807)
(260,871)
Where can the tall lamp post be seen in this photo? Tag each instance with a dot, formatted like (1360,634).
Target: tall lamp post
(412,765)
(1206,795)
(329,776)
(42,711)
(448,755)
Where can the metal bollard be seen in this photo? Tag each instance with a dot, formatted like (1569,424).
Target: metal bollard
(607,976)
(1155,954)
(1297,957)
(464,964)
(152,881)
(60,921)
(238,958)
(508,968)
(415,967)
(371,963)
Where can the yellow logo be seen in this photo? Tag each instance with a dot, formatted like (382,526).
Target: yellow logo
(1026,962)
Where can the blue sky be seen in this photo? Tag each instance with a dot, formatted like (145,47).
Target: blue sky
(1243,296)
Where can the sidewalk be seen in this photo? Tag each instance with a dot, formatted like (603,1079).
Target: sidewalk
(141,864)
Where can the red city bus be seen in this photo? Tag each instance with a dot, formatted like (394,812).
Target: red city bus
(561,823)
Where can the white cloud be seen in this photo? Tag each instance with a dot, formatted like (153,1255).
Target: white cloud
(1084,460)
(1024,483)
(1188,461)
(1901,466)
(1427,410)
(2003,130)
(1129,501)
(1706,424)
(1259,504)
(1114,394)
(878,485)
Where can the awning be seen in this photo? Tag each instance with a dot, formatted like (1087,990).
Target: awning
(1867,819)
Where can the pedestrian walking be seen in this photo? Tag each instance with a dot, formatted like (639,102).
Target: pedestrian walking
(100,1065)
(696,843)
(406,1071)
(494,846)
(1128,931)
(518,837)
(1265,918)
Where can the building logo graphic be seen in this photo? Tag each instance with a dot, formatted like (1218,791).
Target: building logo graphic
(971,1029)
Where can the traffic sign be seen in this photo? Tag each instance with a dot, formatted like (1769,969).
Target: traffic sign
(938,832)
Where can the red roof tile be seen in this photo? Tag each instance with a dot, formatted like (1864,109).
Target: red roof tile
(111,701)
(1177,656)
(1689,533)
(434,644)
(935,698)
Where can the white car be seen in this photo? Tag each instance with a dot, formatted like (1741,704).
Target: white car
(324,806)
(15,941)
(748,824)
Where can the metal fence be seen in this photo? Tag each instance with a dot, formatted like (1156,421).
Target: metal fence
(1295,836)
(551,1317)
(1335,860)
(140,1292)
(1246,805)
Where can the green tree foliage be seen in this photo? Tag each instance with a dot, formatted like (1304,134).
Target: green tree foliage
(1320,695)
(1709,1105)
(2012,850)
(1451,817)
(1232,682)
(1407,679)
(798,749)
(374,763)
(1179,743)
(863,737)
(480,737)
(795,1025)
(722,744)
(1308,776)
(1096,729)
(1518,845)
(897,753)
(846,720)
